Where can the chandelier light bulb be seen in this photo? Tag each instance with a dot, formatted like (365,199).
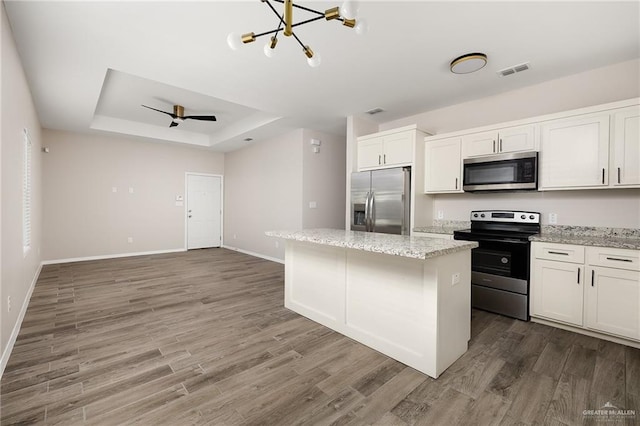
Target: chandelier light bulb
(314,61)
(234,41)
(362,27)
(349,9)
(268,51)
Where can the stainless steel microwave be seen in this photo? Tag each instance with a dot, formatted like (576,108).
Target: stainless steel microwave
(511,171)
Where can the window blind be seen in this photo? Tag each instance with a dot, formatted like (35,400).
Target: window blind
(26,192)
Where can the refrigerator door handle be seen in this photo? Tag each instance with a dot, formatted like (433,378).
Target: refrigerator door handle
(366,212)
(372,212)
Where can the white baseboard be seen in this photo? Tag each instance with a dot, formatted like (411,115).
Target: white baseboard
(251,253)
(16,328)
(110,256)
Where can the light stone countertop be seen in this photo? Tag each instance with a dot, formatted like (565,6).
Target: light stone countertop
(438,229)
(624,238)
(589,240)
(395,245)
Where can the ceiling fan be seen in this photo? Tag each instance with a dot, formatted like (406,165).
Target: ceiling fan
(178,115)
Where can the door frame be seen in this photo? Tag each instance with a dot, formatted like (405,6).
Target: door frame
(186,204)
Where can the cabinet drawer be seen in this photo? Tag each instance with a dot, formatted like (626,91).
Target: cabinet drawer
(614,258)
(559,252)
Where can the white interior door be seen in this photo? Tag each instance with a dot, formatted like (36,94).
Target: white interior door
(204,211)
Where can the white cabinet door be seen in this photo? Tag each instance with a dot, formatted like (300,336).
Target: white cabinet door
(398,149)
(478,144)
(370,153)
(516,139)
(613,301)
(574,153)
(510,139)
(626,147)
(556,291)
(443,166)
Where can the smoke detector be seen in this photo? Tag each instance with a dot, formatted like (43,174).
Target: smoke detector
(513,69)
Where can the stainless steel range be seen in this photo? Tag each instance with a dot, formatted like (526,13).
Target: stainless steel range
(500,265)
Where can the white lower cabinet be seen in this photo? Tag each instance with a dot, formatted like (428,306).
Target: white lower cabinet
(613,302)
(592,288)
(558,291)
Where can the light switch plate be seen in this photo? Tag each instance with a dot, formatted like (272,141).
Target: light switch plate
(553,218)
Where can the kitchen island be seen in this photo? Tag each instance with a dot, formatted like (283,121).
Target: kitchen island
(407,297)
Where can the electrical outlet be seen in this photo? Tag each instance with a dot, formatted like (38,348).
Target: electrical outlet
(8,303)
(114,189)
(131,190)
(277,244)
(130,240)
(553,218)
(455,278)
(234,236)
(440,214)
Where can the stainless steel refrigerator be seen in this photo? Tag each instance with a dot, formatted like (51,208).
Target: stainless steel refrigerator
(380,201)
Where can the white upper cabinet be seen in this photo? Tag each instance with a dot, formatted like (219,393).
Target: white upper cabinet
(386,149)
(574,153)
(443,166)
(626,147)
(511,139)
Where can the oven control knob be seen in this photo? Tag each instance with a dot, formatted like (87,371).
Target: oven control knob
(475,215)
(523,217)
(532,217)
(482,215)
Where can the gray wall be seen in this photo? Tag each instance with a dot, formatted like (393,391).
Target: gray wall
(18,269)
(269,185)
(84,217)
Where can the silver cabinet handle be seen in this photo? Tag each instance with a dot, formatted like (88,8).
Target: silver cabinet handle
(500,145)
(384,159)
(558,252)
(617,259)
(373,211)
(603,175)
(578,275)
(456,183)
(593,274)
(619,175)
(494,146)
(379,159)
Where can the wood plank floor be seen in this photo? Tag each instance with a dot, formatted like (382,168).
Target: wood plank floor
(202,337)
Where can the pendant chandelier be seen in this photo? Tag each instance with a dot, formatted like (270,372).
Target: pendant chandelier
(345,14)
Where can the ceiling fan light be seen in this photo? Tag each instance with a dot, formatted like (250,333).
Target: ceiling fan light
(471,62)
(234,41)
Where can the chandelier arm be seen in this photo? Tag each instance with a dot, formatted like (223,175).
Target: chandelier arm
(298,40)
(275,11)
(307,21)
(266,33)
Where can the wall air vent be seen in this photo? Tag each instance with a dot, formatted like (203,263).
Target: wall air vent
(514,69)
(375,111)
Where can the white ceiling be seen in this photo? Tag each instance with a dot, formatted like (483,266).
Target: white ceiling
(91,65)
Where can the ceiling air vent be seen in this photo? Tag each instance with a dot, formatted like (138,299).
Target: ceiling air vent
(514,69)
(375,111)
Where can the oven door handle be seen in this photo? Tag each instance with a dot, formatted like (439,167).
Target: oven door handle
(494,240)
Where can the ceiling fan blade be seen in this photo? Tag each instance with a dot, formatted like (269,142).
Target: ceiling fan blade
(201,117)
(173,124)
(159,110)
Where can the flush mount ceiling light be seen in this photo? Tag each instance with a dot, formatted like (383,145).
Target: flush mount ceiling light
(465,64)
(345,14)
